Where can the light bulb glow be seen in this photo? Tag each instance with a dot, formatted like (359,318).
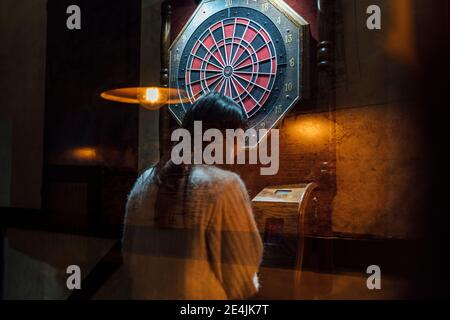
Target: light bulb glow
(151,95)
(151,98)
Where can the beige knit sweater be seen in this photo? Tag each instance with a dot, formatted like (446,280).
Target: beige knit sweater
(214,250)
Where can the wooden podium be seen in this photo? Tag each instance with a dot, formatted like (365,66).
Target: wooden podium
(280,214)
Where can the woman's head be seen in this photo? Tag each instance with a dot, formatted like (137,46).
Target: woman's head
(215,111)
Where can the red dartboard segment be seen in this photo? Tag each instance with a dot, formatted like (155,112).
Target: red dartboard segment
(239,88)
(263,54)
(263,80)
(196,63)
(209,42)
(250,35)
(241,65)
(229,30)
(264,34)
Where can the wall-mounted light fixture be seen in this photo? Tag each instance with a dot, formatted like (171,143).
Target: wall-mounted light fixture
(151,98)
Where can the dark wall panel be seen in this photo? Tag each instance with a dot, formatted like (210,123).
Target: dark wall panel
(80,127)
(91,145)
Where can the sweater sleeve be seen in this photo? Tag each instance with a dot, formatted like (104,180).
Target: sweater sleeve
(234,243)
(136,200)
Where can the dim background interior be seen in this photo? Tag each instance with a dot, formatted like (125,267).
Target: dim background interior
(69,158)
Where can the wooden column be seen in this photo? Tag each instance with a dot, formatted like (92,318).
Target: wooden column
(326,93)
(164,120)
(326,98)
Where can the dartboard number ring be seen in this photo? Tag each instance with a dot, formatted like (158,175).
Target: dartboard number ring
(250,50)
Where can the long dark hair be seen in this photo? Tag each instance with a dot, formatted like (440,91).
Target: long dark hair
(216,111)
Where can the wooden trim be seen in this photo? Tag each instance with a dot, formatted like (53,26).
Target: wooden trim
(164,121)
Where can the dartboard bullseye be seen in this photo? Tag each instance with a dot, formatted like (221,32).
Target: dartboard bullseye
(249,50)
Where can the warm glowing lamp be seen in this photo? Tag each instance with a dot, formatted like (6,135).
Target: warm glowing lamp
(151,95)
(151,98)
(84,153)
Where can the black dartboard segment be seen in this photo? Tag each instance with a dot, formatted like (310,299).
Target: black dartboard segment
(251,51)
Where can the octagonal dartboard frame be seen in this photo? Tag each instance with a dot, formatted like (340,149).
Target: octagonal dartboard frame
(283,25)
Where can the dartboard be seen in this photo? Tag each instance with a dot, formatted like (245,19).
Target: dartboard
(253,51)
